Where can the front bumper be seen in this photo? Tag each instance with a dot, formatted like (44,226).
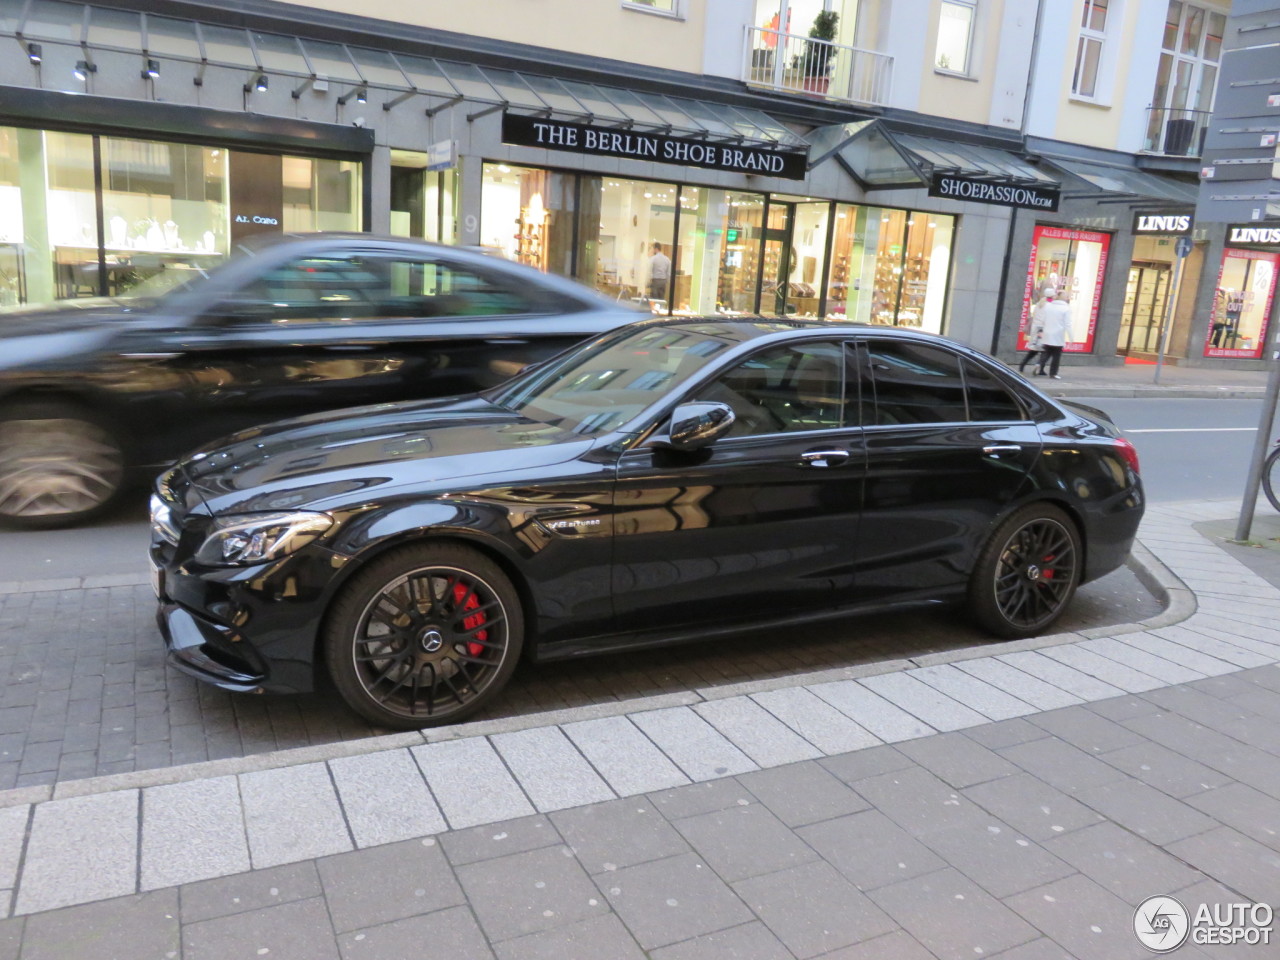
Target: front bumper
(244,629)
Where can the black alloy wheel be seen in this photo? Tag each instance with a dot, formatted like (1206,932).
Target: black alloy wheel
(425,636)
(59,465)
(1027,573)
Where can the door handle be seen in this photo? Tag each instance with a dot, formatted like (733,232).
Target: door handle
(351,347)
(996,449)
(823,458)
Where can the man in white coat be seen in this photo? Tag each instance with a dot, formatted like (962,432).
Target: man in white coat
(1054,319)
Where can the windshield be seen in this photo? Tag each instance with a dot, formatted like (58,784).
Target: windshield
(600,385)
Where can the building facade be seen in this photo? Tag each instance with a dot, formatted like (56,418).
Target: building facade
(824,158)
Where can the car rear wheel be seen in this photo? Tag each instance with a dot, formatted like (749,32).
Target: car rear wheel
(1027,573)
(424,636)
(59,465)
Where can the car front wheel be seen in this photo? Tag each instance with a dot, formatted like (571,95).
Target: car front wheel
(59,466)
(1027,573)
(425,636)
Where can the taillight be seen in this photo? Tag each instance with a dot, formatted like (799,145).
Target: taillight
(1129,453)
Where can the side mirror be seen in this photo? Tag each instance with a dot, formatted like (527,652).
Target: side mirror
(697,425)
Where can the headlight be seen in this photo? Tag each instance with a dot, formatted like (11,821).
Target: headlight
(253,538)
(162,521)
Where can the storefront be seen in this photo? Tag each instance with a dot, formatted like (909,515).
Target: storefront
(1109,251)
(1245,290)
(685,249)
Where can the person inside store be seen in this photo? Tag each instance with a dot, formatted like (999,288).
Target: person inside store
(659,273)
(1054,317)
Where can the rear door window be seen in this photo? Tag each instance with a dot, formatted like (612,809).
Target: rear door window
(913,383)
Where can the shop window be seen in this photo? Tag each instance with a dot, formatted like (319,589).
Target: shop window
(527,215)
(909,276)
(423,202)
(321,194)
(1089,48)
(1242,304)
(165,207)
(955,36)
(718,256)
(1073,262)
(626,239)
(915,383)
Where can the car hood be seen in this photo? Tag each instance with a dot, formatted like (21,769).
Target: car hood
(321,461)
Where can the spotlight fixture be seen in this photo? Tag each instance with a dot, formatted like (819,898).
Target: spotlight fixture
(258,83)
(362,95)
(35,53)
(84,68)
(152,70)
(358,94)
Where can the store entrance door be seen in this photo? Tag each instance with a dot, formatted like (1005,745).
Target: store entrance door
(795,255)
(1145,309)
(778,256)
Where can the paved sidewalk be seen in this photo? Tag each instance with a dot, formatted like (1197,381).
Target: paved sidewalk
(1012,801)
(1138,380)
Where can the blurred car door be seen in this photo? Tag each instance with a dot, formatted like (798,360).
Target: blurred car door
(352,327)
(948,449)
(769,512)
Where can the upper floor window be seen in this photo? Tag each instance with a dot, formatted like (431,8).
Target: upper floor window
(1093,34)
(1186,79)
(669,7)
(955,35)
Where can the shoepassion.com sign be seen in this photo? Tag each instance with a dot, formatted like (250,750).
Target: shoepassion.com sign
(586,139)
(995,192)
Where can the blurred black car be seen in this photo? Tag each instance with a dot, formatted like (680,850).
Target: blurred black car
(666,480)
(91,388)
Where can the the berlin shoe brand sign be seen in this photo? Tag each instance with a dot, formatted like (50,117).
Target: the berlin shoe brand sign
(1162,224)
(1037,197)
(1264,234)
(583,138)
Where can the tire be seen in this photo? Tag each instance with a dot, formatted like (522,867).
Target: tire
(1027,572)
(1270,480)
(425,636)
(59,465)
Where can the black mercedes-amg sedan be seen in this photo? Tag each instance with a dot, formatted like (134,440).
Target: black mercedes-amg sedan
(92,388)
(664,481)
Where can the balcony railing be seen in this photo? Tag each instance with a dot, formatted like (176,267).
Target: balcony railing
(1176,133)
(816,68)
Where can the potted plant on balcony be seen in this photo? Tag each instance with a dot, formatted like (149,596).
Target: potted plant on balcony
(819,57)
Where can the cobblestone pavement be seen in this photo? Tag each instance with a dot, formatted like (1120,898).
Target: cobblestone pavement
(1014,802)
(86,691)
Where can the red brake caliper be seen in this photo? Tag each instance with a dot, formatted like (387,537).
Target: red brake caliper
(1047,574)
(461,593)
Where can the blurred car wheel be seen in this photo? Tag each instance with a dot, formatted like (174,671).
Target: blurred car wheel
(424,636)
(58,465)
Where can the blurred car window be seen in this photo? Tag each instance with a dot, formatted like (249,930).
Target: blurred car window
(787,389)
(371,287)
(915,383)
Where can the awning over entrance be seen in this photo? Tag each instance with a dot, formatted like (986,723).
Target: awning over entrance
(367,74)
(1112,183)
(880,158)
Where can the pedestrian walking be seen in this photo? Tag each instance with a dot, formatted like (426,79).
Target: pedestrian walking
(1054,316)
(1035,340)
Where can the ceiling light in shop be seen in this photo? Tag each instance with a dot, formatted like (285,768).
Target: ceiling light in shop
(151,71)
(83,69)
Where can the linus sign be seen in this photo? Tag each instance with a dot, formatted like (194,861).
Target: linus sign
(1003,194)
(688,151)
